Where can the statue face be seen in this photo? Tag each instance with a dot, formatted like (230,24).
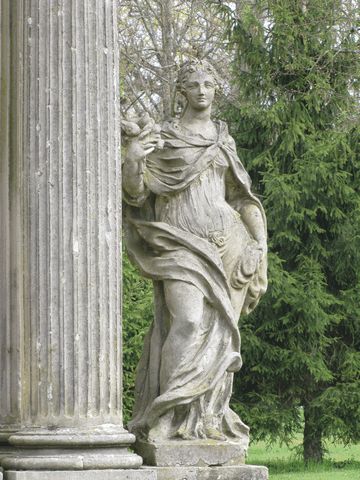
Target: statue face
(200,90)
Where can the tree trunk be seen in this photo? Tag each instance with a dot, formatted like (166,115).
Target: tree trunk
(312,442)
(167,8)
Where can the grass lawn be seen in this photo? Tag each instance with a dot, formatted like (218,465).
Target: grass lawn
(341,463)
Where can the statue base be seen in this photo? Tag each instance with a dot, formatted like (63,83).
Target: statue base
(236,472)
(138,474)
(199,453)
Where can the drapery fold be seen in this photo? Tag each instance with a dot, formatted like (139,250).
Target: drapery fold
(164,252)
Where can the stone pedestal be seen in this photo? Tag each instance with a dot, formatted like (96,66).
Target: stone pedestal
(243,472)
(60,238)
(238,472)
(199,453)
(199,460)
(139,474)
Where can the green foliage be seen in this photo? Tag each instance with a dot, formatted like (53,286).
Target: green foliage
(137,317)
(297,130)
(284,462)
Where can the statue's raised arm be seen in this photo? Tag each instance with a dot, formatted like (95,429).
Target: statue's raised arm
(142,137)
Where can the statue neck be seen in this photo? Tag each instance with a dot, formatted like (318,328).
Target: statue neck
(193,117)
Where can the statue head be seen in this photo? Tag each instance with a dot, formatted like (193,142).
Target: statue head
(196,65)
(194,75)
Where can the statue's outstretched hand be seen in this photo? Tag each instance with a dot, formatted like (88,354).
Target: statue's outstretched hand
(142,137)
(142,145)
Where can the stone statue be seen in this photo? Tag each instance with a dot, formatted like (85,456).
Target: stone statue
(194,227)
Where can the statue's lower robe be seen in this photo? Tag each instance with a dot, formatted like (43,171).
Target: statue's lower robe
(187,398)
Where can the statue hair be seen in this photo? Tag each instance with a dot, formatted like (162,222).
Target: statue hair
(196,65)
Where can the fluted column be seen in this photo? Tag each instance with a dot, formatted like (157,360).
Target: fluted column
(60,253)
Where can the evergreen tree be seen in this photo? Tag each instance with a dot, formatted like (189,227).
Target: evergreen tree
(137,318)
(297,131)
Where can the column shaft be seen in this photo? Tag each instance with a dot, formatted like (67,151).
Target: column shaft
(60,281)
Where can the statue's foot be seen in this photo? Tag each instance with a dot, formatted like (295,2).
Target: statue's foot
(185,435)
(214,434)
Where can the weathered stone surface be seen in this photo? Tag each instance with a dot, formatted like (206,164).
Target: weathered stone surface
(62,219)
(244,472)
(60,236)
(197,453)
(139,474)
(240,472)
(71,459)
(204,245)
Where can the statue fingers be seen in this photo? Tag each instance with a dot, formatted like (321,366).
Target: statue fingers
(149,144)
(147,151)
(144,133)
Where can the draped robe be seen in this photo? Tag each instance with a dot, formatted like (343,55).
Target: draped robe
(171,399)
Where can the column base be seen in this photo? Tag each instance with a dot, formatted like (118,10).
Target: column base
(5,451)
(139,474)
(6,432)
(99,448)
(70,459)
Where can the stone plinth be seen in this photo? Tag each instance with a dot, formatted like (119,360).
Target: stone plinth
(60,238)
(191,453)
(139,474)
(239,472)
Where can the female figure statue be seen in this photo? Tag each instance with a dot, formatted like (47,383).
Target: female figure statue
(194,227)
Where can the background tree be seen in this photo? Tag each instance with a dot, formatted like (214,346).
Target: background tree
(296,125)
(297,128)
(156,36)
(138,315)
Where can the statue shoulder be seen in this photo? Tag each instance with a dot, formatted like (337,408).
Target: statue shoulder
(224,130)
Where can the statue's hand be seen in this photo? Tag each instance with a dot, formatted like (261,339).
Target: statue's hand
(142,145)
(262,248)
(248,264)
(141,136)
